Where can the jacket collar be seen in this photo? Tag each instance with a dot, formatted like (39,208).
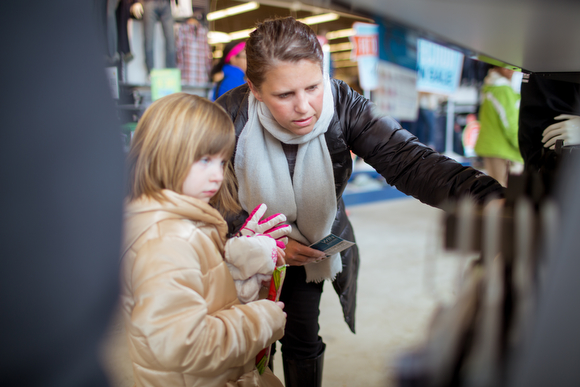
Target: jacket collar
(144,212)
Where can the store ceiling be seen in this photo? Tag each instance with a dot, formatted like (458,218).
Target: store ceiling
(344,68)
(269,9)
(535,35)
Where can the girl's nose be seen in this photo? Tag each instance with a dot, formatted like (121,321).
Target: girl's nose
(218,174)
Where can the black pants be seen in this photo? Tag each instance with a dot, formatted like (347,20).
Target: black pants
(302,305)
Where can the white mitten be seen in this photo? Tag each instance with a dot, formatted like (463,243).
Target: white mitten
(272,226)
(251,260)
(567,130)
(137,10)
(249,290)
(251,255)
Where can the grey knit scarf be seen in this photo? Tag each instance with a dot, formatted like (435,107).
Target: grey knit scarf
(309,199)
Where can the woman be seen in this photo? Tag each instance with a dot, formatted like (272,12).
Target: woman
(229,72)
(295,129)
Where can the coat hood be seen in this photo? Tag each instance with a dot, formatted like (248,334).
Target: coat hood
(493,78)
(144,212)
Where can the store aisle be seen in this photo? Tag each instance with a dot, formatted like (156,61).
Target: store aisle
(403,276)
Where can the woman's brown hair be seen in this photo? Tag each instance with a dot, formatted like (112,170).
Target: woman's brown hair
(173,133)
(279,40)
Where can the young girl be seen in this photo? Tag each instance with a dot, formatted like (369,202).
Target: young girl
(185,324)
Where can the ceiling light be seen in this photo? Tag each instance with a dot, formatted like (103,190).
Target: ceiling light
(325,17)
(215,37)
(233,11)
(340,34)
(240,34)
(341,47)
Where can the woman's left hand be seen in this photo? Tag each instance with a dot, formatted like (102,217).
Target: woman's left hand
(298,254)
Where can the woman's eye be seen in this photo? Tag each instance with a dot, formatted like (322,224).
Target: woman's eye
(311,88)
(282,96)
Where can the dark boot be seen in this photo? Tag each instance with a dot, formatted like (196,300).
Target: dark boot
(303,373)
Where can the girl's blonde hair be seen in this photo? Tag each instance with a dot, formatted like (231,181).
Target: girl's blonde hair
(173,133)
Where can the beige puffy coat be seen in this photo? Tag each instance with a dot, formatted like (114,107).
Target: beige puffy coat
(184,323)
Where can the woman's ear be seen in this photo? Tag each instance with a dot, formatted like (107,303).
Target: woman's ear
(255,91)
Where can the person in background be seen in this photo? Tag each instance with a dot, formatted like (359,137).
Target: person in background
(230,71)
(295,131)
(497,141)
(184,322)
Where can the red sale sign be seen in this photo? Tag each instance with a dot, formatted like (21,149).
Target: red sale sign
(365,45)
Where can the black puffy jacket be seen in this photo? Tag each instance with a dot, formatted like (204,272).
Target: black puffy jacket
(405,163)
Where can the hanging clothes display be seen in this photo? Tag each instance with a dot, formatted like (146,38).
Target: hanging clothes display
(474,340)
(123,14)
(193,52)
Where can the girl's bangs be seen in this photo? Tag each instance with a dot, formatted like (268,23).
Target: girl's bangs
(218,139)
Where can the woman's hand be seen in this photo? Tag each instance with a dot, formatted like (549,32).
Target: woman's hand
(298,254)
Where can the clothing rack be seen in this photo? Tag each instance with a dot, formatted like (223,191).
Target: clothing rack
(477,340)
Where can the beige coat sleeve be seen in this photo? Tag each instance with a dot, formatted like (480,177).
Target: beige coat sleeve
(186,309)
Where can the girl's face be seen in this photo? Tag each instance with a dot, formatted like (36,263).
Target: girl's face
(205,177)
(293,92)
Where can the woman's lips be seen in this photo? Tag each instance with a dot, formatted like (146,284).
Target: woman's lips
(304,122)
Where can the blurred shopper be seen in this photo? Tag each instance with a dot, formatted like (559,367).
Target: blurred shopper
(230,71)
(497,142)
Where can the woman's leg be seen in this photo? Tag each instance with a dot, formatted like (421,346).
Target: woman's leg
(302,347)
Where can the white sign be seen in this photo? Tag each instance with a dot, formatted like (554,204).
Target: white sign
(439,68)
(397,94)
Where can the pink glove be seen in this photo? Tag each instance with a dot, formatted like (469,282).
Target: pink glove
(272,226)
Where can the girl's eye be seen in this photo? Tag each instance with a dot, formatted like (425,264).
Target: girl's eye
(282,96)
(204,160)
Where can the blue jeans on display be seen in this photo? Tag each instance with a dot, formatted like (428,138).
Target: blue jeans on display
(154,10)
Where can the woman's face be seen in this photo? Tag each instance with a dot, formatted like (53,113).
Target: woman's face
(293,92)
